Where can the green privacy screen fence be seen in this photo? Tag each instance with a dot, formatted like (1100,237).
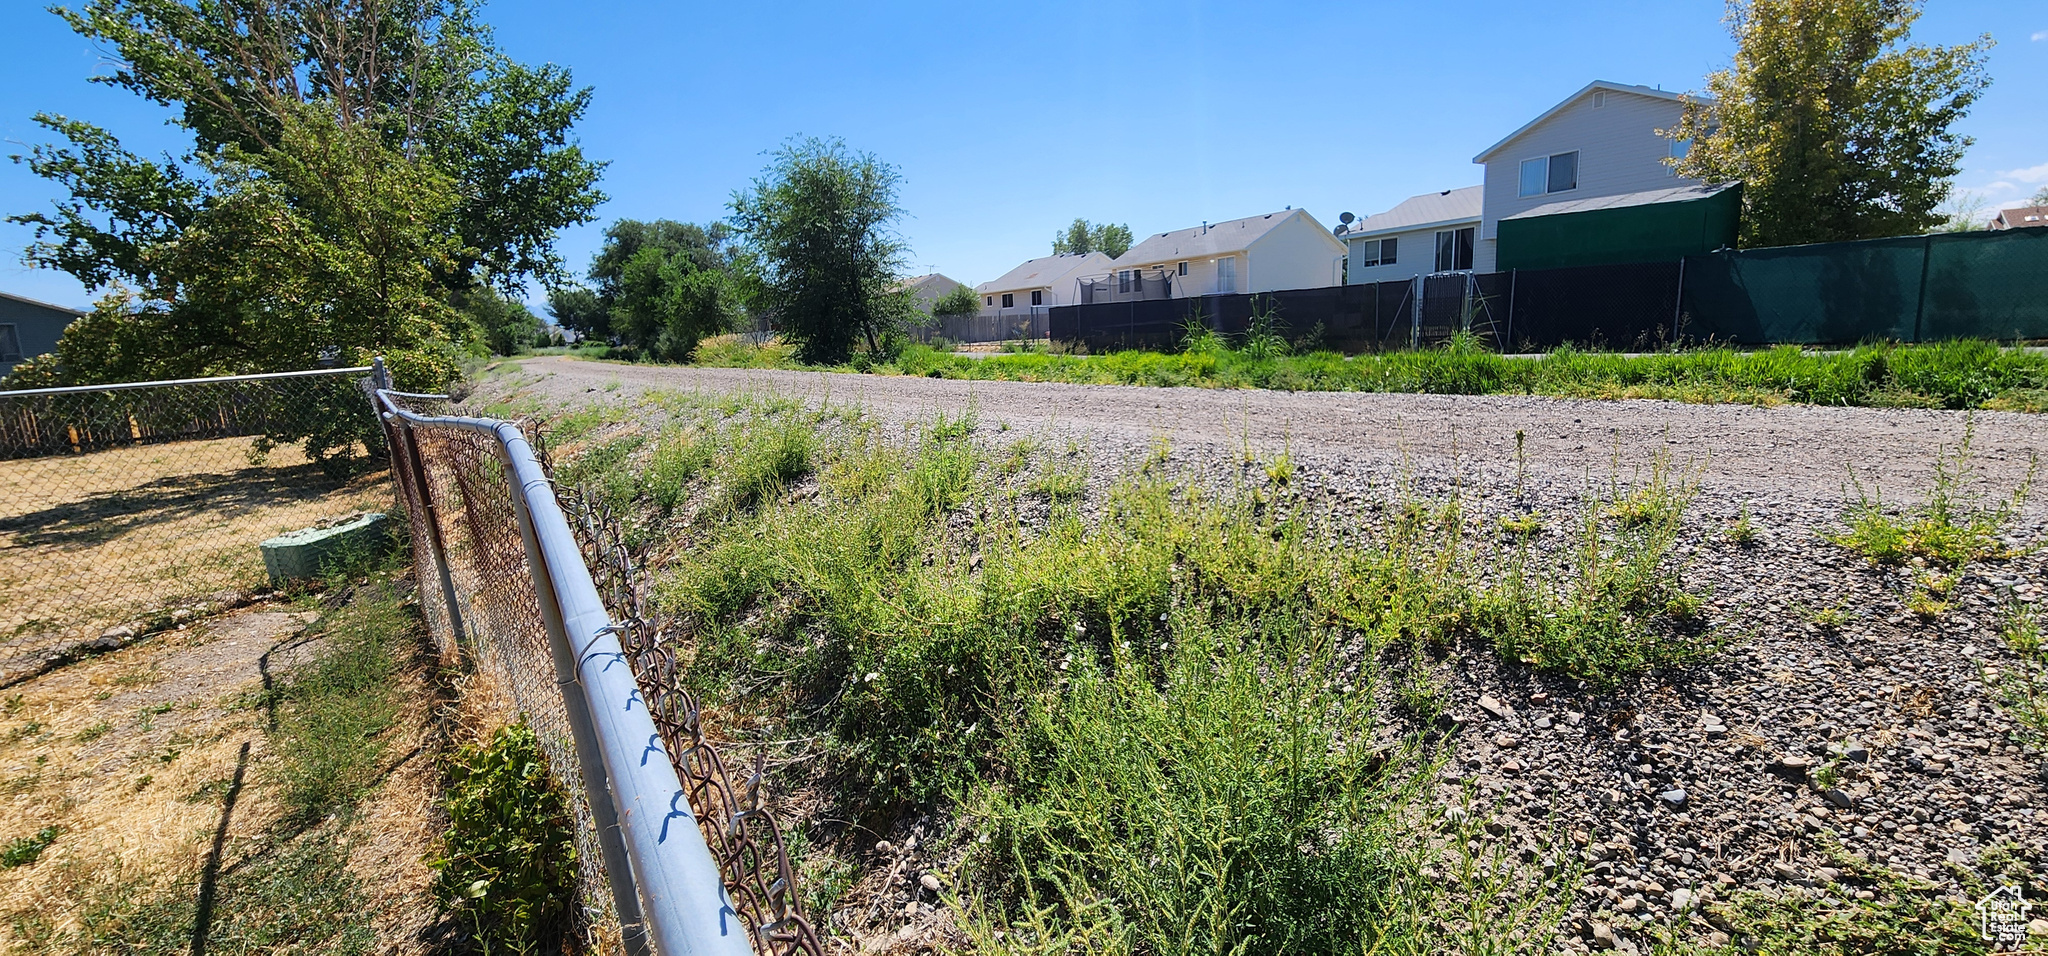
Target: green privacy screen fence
(1991,285)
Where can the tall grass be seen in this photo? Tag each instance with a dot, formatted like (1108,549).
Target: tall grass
(1955,375)
(1152,708)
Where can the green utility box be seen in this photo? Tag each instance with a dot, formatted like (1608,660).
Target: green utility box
(312,552)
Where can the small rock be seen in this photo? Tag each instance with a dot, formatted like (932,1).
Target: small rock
(1791,766)
(1543,722)
(884,846)
(1603,935)
(1675,799)
(1785,871)
(1838,797)
(2037,928)
(121,633)
(1506,740)
(1496,708)
(910,910)
(929,882)
(1682,900)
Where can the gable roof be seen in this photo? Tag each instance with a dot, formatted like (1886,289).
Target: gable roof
(930,280)
(2020,217)
(1216,239)
(1045,272)
(45,305)
(1602,85)
(1645,198)
(1429,209)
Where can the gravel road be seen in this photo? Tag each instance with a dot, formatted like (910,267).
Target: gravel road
(1797,451)
(1814,750)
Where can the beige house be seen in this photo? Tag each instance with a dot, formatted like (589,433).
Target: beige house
(928,289)
(1039,284)
(1601,141)
(1279,250)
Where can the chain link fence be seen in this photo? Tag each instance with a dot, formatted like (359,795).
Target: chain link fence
(503,597)
(123,507)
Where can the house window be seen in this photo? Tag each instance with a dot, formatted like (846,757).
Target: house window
(1599,99)
(1009,300)
(1182,269)
(1037,297)
(1376,252)
(1454,250)
(1555,173)
(1123,280)
(1564,171)
(988,300)
(10,344)
(1679,149)
(1226,275)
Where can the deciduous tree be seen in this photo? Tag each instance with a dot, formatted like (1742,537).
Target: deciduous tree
(1835,122)
(1081,238)
(821,225)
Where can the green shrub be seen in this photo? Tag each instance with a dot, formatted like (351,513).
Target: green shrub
(508,861)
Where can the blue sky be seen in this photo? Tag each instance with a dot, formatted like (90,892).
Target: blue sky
(1007,120)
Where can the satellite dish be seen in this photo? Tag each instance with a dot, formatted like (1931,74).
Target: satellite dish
(1345,218)
(1341,229)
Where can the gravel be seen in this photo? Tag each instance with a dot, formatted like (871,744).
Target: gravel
(1880,737)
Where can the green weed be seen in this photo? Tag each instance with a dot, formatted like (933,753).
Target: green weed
(508,861)
(23,851)
(1954,526)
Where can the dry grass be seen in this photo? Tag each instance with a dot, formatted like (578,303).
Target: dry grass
(89,541)
(135,756)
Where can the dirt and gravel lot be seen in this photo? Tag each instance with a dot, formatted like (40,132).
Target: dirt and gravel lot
(1800,452)
(1839,741)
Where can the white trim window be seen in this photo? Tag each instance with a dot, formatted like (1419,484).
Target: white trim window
(1037,297)
(1182,269)
(10,343)
(1226,275)
(1009,300)
(1123,280)
(1375,252)
(1555,173)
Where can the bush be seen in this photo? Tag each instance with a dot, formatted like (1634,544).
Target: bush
(508,862)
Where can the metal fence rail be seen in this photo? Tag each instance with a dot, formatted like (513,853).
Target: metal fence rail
(123,504)
(517,600)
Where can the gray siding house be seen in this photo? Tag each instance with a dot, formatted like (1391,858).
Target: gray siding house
(29,328)
(1601,141)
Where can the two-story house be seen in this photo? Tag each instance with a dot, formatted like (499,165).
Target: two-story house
(1602,141)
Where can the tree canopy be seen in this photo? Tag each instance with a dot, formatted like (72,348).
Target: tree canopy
(1837,125)
(1082,237)
(960,301)
(820,223)
(661,287)
(354,170)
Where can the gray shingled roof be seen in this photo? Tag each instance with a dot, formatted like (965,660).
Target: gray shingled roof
(1218,239)
(1649,197)
(1428,209)
(1046,271)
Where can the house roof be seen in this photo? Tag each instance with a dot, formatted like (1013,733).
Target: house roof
(1216,239)
(929,280)
(52,307)
(1651,92)
(1428,209)
(2021,217)
(1649,197)
(1045,272)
